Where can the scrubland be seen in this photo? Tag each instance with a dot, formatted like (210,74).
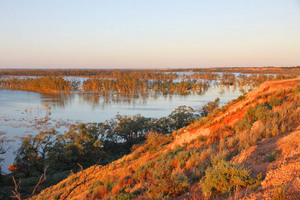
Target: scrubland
(248,149)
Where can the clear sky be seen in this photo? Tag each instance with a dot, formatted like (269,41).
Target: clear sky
(148,33)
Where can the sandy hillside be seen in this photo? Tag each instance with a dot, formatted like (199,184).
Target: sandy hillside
(129,174)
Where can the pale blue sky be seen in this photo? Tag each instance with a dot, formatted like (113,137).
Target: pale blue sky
(149,33)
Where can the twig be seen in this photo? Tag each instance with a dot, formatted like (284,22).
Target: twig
(17,194)
(42,179)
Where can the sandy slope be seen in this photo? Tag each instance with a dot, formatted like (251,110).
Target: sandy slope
(282,174)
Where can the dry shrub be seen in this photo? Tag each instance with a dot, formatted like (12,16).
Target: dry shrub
(180,182)
(165,184)
(246,140)
(231,142)
(222,144)
(99,192)
(275,131)
(193,161)
(258,129)
(206,154)
(223,177)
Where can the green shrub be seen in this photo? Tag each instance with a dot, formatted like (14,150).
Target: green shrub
(177,149)
(259,112)
(297,89)
(197,172)
(242,124)
(223,177)
(271,157)
(182,157)
(257,182)
(202,138)
(124,196)
(152,149)
(56,197)
(180,183)
(273,101)
(165,182)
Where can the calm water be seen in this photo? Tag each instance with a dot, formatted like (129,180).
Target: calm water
(23,113)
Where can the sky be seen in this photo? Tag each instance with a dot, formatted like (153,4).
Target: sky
(149,33)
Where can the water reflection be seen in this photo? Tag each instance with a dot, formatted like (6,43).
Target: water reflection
(96,100)
(57,100)
(61,101)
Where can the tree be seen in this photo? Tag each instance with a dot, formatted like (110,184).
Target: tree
(182,116)
(210,107)
(132,128)
(34,151)
(82,144)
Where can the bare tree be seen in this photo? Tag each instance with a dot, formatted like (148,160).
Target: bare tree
(17,194)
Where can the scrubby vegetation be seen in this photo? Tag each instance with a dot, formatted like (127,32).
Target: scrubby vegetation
(94,143)
(128,82)
(162,168)
(224,177)
(166,160)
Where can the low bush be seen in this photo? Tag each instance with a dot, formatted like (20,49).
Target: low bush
(124,196)
(297,89)
(99,192)
(223,177)
(273,101)
(271,157)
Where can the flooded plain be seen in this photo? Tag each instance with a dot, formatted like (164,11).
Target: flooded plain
(23,112)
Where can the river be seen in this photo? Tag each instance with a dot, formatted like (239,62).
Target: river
(23,112)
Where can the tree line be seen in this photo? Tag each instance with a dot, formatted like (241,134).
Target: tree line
(136,82)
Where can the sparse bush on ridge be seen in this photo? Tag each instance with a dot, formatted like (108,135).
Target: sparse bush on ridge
(297,89)
(273,101)
(172,172)
(158,175)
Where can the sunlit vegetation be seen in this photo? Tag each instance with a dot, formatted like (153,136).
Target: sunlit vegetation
(136,85)
(223,178)
(132,82)
(45,84)
(153,171)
